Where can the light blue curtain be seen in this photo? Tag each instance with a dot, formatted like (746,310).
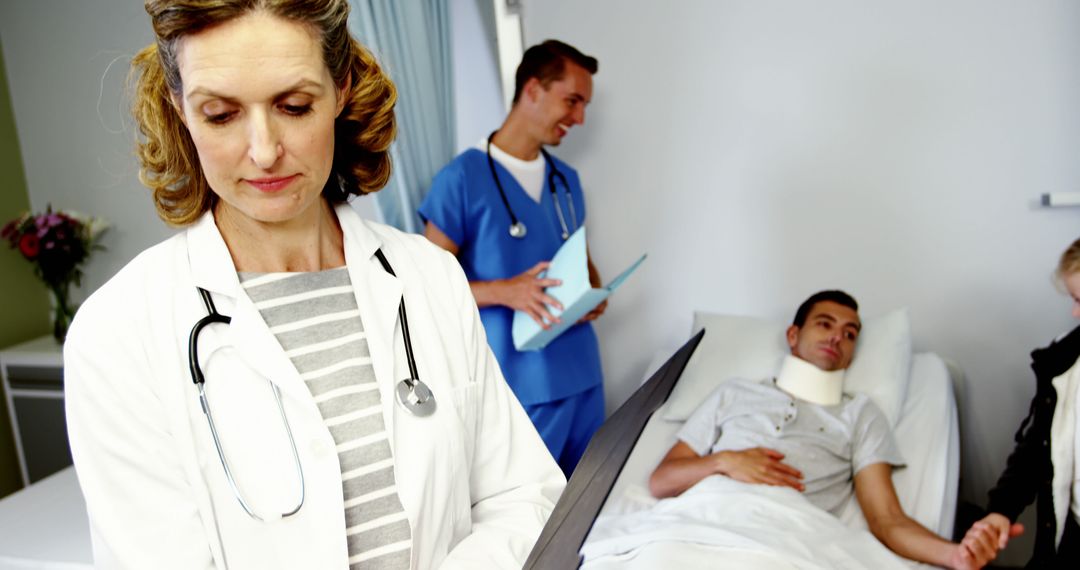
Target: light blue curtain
(411,39)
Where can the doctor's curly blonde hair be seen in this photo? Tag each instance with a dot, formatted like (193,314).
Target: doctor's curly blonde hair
(169,163)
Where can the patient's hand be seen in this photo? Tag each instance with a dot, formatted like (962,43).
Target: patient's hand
(983,541)
(760,465)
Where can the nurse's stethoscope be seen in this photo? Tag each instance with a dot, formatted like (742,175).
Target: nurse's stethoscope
(412,394)
(517,228)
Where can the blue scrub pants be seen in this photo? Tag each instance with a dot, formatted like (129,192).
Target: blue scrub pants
(567,425)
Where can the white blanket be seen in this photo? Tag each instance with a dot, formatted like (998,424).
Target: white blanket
(721,523)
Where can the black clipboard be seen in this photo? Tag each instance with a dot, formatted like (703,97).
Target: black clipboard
(560,541)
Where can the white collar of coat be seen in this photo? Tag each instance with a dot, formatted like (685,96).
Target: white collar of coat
(808,382)
(1062,444)
(212,269)
(211,263)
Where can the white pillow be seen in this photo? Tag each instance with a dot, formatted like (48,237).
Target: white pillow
(881,368)
(752,348)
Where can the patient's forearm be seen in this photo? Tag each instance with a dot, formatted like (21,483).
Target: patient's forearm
(911,540)
(682,468)
(673,476)
(906,537)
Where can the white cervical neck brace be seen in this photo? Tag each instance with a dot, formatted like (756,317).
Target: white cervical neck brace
(808,382)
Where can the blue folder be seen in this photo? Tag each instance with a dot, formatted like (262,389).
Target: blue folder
(578,297)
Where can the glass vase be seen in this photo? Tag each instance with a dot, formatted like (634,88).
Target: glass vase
(63,310)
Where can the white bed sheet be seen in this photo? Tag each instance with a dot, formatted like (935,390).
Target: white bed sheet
(766,526)
(44,526)
(928,434)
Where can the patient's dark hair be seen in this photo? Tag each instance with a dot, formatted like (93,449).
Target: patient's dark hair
(547,62)
(835,295)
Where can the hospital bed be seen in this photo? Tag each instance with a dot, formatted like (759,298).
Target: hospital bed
(916,391)
(44,526)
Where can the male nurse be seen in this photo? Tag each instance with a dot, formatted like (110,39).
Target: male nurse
(504,208)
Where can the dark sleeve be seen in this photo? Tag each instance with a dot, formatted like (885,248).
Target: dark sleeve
(1029,464)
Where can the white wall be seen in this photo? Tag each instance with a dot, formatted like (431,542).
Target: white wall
(67,62)
(478,105)
(762,150)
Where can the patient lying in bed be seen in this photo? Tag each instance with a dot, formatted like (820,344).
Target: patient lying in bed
(799,431)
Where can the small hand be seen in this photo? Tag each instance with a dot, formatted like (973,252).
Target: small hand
(593,314)
(1001,528)
(983,541)
(760,465)
(525,292)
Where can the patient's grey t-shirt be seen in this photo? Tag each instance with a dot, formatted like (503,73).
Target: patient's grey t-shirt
(829,444)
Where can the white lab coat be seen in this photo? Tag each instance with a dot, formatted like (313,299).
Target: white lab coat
(1063,434)
(475,479)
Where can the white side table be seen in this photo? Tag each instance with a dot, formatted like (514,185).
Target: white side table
(33,376)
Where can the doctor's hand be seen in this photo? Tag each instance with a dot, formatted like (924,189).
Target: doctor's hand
(525,292)
(759,465)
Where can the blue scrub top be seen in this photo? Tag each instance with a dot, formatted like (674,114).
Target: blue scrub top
(464,204)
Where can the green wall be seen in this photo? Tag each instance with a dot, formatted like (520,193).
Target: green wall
(25,312)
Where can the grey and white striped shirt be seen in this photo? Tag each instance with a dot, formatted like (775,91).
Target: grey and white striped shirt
(315,318)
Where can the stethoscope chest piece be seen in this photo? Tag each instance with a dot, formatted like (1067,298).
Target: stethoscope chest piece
(517,230)
(416,397)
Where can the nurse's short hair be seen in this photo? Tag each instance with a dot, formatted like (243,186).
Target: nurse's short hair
(169,163)
(834,295)
(547,62)
(1069,262)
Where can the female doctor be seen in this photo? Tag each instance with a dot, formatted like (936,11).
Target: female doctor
(337,405)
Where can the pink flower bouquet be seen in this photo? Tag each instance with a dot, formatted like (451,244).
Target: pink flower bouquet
(57,244)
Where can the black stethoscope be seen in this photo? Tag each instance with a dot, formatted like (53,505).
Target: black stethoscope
(517,228)
(412,394)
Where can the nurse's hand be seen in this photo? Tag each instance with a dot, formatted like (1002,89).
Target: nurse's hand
(525,292)
(596,312)
(594,280)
